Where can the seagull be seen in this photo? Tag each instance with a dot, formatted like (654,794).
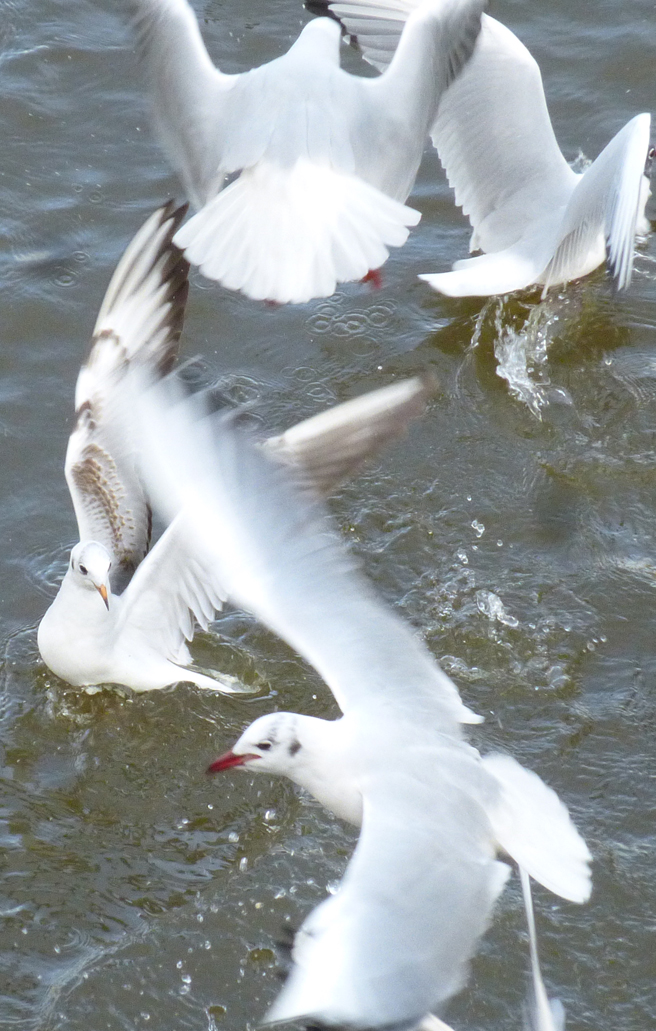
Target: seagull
(124,613)
(320,161)
(393,944)
(538,221)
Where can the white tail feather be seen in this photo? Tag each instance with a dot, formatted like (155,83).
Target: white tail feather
(533,826)
(289,235)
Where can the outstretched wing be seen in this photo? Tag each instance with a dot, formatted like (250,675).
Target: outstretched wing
(187,92)
(332,446)
(606,203)
(173,589)
(170,592)
(277,556)
(492,132)
(141,316)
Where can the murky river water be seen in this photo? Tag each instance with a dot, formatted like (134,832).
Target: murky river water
(515,529)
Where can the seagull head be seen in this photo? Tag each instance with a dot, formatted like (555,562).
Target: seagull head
(270,745)
(90,566)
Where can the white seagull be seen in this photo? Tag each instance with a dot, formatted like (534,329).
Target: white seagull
(538,222)
(124,614)
(324,159)
(394,943)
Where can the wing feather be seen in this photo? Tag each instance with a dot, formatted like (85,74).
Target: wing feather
(604,209)
(230,490)
(141,315)
(395,941)
(170,592)
(332,446)
(187,91)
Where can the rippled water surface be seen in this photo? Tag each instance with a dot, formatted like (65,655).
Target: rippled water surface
(514,529)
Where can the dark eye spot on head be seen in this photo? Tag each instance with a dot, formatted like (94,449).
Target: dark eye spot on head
(294,747)
(264,746)
(83,570)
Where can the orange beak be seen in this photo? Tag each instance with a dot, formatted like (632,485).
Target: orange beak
(102,591)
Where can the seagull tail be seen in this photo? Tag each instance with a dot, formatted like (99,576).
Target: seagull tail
(542,1013)
(534,827)
(290,234)
(499,273)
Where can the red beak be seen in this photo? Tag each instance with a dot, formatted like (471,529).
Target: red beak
(229,759)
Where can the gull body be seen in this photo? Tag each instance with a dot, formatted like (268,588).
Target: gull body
(394,943)
(325,160)
(125,611)
(538,222)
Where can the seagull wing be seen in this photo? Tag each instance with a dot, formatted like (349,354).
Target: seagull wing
(188,93)
(170,592)
(436,43)
(532,825)
(607,202)
(494,137)
(492,132)
(394,943)
(332,446)
(277,556)
(142,316)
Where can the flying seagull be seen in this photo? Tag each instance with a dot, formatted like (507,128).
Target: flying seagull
(538,222)
(323,160)
(124,613)
(393,944)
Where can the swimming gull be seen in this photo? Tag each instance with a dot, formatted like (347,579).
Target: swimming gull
(538,221)
(394,943)
(124,614)
(325,159)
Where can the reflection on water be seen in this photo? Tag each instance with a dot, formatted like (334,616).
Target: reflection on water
(514,529)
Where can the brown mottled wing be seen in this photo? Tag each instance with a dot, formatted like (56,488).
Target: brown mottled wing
(332,446)
(140,320)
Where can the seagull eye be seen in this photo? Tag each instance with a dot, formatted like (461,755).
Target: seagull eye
(83,570)
(264,746)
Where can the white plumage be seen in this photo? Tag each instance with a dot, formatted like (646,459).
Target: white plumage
(394,943)
(123,614)
(538,221)
(325,159)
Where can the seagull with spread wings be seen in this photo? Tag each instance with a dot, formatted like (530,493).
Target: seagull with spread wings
(124,613)
(324,160)
(394,943)
(538,221)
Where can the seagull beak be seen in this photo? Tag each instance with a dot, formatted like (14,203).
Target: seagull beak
(229,759)
(102,591)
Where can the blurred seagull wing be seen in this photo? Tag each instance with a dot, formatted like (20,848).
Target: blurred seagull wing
(532,825)
(395,941)
(332,446)
(140,318)
(297,578)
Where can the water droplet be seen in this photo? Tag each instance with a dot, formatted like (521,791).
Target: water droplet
(461,554)
(233,837)
(243,864)
(270,815)
(478,528)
